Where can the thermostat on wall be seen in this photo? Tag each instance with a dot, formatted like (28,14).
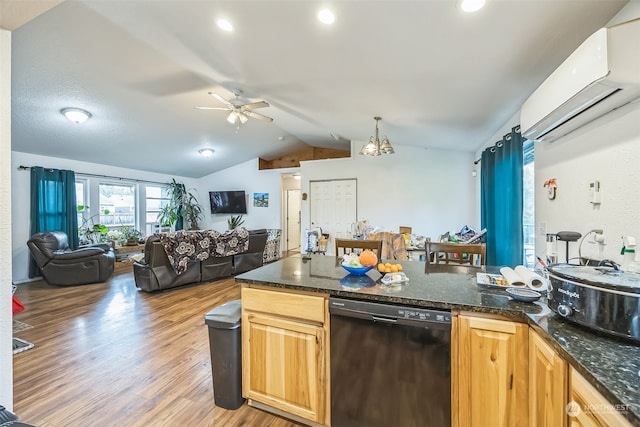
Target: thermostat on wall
(595,197)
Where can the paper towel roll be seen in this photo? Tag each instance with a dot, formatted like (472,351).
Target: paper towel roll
(533,280)
(512,278)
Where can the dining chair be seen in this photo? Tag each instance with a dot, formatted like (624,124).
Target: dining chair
(455,253)
(351,246)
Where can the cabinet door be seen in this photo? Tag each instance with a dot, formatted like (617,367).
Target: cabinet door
(588,408)
(492,373)
(283,365)
(547,384)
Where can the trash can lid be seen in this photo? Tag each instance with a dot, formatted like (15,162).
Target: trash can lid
(225,316)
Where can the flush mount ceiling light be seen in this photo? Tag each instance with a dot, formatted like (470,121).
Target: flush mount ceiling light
(375,147)
(224,25)
(471,5)
(326,17)
(206,152)
(76,115)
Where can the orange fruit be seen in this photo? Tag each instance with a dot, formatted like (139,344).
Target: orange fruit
(399,267)
(368,258)
(380,267)
(387,269)
(394,268)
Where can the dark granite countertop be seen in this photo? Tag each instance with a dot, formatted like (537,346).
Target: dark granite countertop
(611,365)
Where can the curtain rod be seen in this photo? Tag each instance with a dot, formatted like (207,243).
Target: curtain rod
(498,144)
(92,175)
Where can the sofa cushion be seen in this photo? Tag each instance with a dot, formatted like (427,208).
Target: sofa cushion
(185,246)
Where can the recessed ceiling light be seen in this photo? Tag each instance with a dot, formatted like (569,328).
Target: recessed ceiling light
(326,17)
(206,152)
(471,5)
(224,24)
(76,115)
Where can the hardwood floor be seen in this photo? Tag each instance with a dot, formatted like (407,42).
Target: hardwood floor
(108,354)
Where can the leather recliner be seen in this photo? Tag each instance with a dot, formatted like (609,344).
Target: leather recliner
(62,266)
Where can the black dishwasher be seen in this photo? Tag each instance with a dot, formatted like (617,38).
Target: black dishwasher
(390,365)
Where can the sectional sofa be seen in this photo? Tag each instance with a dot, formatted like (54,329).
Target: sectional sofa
(177,259)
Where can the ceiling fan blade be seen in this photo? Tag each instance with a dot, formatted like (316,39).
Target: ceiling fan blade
(257,116)
(221,99)
(259,104)
(212,108)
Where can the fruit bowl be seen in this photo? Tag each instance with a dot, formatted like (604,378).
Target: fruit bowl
(358,271)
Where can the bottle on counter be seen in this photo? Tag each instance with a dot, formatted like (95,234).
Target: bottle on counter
(628,252)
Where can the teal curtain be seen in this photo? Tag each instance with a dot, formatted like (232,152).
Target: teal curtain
(501,200)
(53,205)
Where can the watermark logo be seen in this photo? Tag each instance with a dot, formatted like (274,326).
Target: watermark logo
(573,409)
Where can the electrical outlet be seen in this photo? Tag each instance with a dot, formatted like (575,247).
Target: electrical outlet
(542,229)
(599,235)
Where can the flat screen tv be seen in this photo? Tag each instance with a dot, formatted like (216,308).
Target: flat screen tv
(231,202)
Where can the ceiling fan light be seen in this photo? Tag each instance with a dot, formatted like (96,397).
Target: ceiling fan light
(243,118)
(233,117)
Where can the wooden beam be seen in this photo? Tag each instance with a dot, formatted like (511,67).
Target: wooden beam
(292,160)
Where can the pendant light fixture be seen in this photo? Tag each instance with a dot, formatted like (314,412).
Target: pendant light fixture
(375,147)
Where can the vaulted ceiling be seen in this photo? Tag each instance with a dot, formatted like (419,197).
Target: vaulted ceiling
(438,77)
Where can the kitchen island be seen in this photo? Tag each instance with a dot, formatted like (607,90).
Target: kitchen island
(611,366)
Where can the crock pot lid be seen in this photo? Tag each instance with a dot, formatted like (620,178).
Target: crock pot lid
(595,277)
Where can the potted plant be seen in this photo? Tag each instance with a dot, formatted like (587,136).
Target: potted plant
(129,235)
(235,221)
(89,231)
(182,205)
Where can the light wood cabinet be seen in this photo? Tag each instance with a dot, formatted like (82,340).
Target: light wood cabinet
(548,384)
(492,372)
(588,408)
(285,357)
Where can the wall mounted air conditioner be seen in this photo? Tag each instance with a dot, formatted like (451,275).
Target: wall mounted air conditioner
(601,75)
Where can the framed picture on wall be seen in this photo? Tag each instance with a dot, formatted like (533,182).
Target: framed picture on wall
(261,200)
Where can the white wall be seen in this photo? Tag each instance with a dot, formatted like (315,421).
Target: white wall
(6,333)
(21,184)
(247,177)
(431,190)
(607,150)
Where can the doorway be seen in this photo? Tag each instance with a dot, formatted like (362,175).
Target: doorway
(290,213)
(293,220)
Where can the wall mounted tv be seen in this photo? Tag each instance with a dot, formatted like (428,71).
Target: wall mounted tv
(231,202)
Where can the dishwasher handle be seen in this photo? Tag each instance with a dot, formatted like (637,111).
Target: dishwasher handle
(383,319)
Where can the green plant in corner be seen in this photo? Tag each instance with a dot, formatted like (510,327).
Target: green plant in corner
(182,204)
(235,221)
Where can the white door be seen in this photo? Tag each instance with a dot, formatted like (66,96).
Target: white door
(293,219)
(333,207)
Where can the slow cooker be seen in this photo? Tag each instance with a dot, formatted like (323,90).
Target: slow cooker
(601,298)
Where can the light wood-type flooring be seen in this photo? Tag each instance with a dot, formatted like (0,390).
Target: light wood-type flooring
(110,355)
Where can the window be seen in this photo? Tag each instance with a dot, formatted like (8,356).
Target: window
(117,205)
(528,208)
(156,199)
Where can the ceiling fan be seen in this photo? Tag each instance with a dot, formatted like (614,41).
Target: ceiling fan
(239,112)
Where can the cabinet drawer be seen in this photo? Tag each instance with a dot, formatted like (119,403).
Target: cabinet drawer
(299,306)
